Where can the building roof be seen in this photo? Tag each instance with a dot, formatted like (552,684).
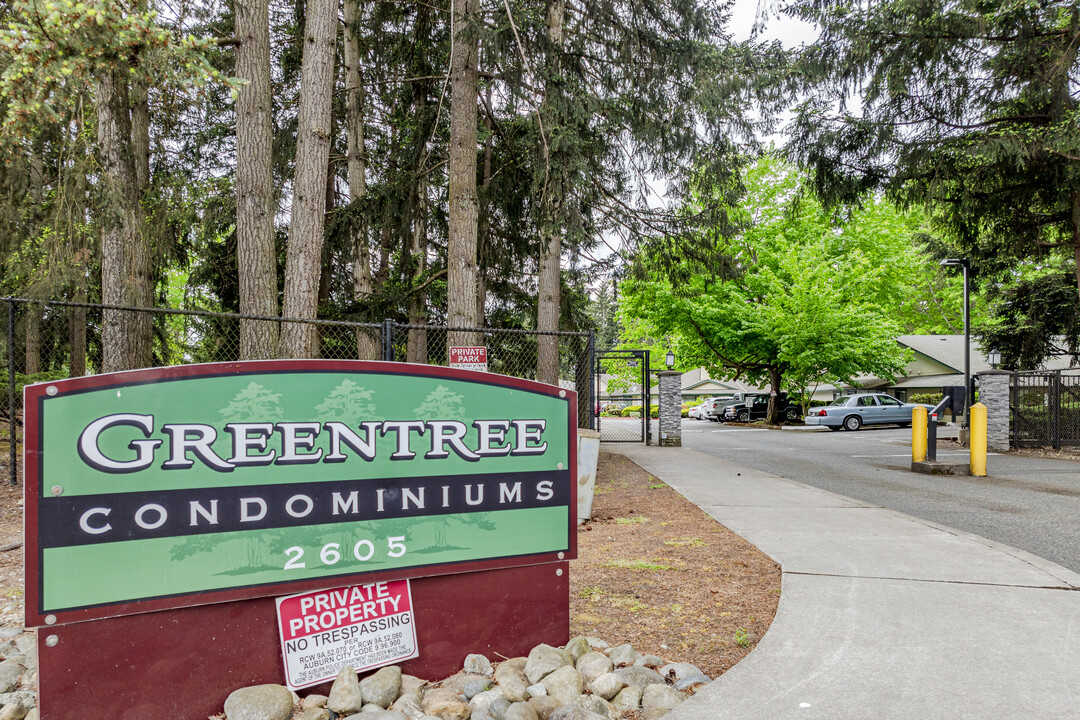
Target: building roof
(933,382)
(947,350)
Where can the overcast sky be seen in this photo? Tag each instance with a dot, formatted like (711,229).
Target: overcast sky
(791,33)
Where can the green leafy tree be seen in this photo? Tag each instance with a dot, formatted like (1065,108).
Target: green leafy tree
(970,108)
(808,300)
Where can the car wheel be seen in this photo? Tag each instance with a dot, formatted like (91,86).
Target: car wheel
(792,414)
(852,422)
(744,416)
(834,428)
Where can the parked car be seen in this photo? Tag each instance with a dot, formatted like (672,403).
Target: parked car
(694,413)
(757,408)
(851,412)
(714,407)
(711,407)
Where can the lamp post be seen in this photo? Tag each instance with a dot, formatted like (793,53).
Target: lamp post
(965,263)
(669,359)
(994,358)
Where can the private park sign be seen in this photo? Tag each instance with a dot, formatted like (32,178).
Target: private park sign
(164,488)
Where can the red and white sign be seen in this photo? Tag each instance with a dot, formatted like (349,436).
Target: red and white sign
(469,358)
(365,626)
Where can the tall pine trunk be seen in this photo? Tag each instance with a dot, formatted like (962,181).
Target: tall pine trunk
(304,259)
(547,310)
(33,339)
(461,252)
(126,272)
(417,349)
(367,345)
(77,333)
(255,253)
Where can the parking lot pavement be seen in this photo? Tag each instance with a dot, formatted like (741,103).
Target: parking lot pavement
(1027,502)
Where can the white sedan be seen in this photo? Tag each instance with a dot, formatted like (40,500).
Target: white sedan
(851,412)
(694,413)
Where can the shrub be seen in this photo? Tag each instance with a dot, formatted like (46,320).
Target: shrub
(926,398)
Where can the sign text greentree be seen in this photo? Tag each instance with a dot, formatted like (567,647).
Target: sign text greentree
(250,443)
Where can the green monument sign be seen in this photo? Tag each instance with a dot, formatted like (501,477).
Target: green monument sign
(163,488)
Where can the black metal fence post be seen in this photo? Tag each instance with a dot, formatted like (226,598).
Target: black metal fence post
(1055,404)
(594,409)
(13,479)
(388,340)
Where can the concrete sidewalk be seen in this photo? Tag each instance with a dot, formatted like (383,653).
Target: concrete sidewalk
(882,615)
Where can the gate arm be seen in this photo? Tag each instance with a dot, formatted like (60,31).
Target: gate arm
(931,428)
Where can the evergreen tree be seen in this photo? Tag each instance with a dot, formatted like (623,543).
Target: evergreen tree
(968,107)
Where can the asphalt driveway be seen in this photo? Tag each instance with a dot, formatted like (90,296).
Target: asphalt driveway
(1027,502)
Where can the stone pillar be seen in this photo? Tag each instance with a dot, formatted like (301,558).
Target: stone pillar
(670,391)
(994,394)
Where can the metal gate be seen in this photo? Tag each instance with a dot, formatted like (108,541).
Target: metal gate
(1045,409)
(623,401)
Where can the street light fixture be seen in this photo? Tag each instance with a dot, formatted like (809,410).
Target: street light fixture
(669,359)
(994,358)
(965,263)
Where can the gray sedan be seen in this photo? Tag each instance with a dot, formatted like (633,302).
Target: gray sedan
(851,412)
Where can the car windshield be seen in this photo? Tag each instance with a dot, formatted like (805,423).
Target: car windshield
(840,401)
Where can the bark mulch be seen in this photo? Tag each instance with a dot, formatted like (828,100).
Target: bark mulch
(655,571)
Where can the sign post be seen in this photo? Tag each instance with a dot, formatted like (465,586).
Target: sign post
(157,490)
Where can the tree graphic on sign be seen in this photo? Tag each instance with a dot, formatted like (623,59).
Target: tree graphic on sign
(252,403)
(441,403)
(348,402)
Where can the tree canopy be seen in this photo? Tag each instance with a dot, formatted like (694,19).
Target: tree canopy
(808,298)
(970,108)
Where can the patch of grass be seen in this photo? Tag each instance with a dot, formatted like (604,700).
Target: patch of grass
(636,520)
(636,565)
(591,593)
(630,604)
(685,542)
(658,486)
(742,638)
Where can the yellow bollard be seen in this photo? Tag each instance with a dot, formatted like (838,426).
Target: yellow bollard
(977,439)
(918,434)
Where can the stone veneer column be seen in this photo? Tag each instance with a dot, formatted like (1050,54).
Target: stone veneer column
(994,394)
(670,408)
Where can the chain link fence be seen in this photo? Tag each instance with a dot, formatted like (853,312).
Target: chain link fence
(56,340)
(1045,409)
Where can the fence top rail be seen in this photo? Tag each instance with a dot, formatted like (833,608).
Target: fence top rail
(308,321)
(196,313)
(1044,373)
(509,331)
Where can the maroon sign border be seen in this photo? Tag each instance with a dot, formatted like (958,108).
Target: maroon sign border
(33,395)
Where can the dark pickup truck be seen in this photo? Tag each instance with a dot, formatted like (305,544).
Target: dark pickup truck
(757,408)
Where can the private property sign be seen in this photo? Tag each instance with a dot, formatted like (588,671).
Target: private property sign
(364,627)
(164,488)
(469,358)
